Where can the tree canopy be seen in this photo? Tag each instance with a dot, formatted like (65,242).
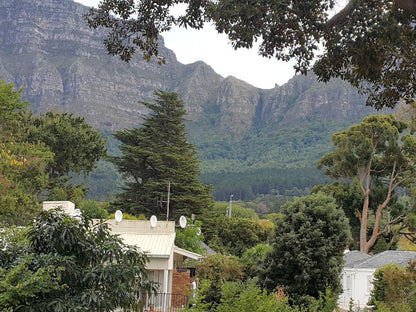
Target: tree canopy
(39,153)
(394,288)
(63,264)
(233,236)
(76,145)
(370,44)
(157,155)
(22,164)
(374,153)
(308,248)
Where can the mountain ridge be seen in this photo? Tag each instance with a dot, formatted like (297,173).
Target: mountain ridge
(47,46)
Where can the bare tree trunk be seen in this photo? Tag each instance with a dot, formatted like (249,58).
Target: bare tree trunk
(365,246)
(364,223)
(376,229)
(365,181)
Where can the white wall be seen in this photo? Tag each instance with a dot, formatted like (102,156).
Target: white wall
(67,206)
(356,284)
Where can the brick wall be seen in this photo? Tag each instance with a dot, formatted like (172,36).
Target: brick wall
(181,282)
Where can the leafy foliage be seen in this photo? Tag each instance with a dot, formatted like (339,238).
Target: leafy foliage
(254,257)
(22,164)
(275,160)
(217,269)
(76,145)
(394,288)
(237,209)
(92,209)
(374,153)
(190,238)
(349,197)
(308,248)
(72,265)
(370,44)
(156,155)
(246,296)
(38,155)
(234,236)
(12,106)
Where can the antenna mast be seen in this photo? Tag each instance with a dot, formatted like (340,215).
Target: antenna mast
(231,205)
(167,203)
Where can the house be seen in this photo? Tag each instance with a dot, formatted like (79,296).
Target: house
(157,240)
(165,259)
(358,274)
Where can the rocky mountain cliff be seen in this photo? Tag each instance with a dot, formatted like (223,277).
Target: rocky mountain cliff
(46,46)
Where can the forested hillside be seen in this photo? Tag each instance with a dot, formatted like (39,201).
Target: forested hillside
(250,141)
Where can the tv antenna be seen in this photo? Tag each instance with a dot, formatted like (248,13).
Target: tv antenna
(161,201)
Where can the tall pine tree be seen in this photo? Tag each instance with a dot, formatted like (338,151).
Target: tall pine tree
(157,154)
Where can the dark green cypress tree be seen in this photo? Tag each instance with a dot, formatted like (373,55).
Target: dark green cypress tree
(157,154)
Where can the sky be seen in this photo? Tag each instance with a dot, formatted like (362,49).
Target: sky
(215,50)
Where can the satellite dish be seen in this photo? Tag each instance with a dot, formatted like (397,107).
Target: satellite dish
(153,221)
(118,216)
(77,214)
(182,222)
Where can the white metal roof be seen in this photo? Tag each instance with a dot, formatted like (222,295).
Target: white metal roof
(157,241)
(187,253)
(155,245)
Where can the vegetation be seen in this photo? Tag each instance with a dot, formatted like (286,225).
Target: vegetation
(214,271)
(22,164)
(370,44)
(92,209)
(374,153)
(76,145)
(308,247)
(273,161)
(394,288)
(70,265)
(247,296)
(191,238)
(234,236)
(38,155)
(158,155)
(253,259)
(297,262)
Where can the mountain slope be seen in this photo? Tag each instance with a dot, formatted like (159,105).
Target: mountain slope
(244,134)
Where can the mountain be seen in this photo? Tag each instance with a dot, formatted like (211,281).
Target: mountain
(250,140)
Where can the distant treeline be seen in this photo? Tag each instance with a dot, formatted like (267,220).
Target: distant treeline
(247,185)
(265,160)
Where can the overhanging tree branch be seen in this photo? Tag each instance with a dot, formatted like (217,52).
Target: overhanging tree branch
(341,17)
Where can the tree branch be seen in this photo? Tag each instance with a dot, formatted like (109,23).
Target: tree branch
(407,5)
(341,17)
(392,222)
